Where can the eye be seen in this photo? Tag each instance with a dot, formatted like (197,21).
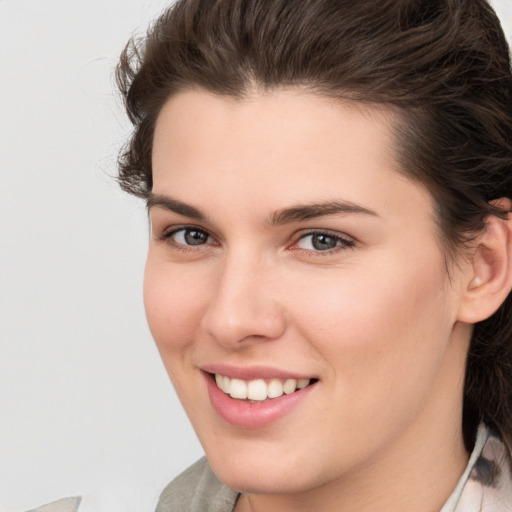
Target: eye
(190,236)
(321,241)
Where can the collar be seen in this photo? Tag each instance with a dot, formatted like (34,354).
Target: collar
(486,484)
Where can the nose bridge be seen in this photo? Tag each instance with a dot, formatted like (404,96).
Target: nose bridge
(244,304)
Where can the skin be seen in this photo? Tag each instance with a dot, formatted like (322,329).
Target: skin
(376,319)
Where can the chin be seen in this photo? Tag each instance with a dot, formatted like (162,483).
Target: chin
(257,482)
(264,475)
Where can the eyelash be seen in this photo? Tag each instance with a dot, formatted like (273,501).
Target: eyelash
(342,242)
(167,235)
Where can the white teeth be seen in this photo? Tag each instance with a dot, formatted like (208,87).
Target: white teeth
(226,384)
(290,386)
(223,382)
(302,383)
(238,389)
(275,388)
(258,389)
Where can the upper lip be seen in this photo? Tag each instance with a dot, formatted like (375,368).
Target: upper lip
(248,373)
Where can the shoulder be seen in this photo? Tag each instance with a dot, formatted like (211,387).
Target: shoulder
(63,505)
(197,489)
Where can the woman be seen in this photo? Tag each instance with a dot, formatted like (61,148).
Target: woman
(330,259)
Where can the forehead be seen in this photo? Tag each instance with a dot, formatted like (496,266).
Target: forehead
(197,123)
(283,146)
(296,109)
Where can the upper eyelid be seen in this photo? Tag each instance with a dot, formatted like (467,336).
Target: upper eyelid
(315,231)
(170,230)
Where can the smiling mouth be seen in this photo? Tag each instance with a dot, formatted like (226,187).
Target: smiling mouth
(259,390)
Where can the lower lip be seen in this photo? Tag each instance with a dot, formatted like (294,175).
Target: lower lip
(253,415)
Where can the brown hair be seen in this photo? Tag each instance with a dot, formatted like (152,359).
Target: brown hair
(442,65)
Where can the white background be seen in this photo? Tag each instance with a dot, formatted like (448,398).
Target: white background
(86,406)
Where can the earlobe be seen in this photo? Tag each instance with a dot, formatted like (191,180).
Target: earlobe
(489,271)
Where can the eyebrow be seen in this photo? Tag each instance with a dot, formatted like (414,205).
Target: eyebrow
(312,211)
(175,206)
(284,216)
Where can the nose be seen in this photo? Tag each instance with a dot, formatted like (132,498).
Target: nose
(244,305)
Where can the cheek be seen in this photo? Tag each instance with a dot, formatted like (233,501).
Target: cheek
(174,302)
(383,332)
(363,303)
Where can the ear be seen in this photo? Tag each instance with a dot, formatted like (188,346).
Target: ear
(488,279)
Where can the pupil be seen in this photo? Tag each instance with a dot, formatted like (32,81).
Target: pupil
(193,237)
(323,242)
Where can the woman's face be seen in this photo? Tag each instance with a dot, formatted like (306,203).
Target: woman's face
(288,251)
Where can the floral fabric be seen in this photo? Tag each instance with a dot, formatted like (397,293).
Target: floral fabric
(488,487)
